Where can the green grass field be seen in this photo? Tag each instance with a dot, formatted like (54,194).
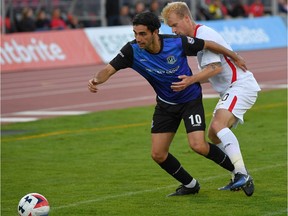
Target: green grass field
(100,164)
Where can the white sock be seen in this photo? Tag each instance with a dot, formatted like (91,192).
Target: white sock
(191,184)
(232,149)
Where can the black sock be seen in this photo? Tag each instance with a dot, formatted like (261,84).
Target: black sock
(172,166)
(219,157)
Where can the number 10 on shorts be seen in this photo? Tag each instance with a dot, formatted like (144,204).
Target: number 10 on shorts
(195,120)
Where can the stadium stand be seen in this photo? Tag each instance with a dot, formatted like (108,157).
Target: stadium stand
(92,13)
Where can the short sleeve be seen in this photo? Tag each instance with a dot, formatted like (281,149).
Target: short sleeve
(124,58)
(192,45)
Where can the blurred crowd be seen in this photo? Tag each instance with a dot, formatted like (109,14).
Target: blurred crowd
(122,14)
(209,10)
(219,9)
(40,21)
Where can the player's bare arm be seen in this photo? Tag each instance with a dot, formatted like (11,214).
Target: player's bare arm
(214,47)
(101,77)
(208,71)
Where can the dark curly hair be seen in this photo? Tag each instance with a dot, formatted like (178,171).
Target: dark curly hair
(148,19)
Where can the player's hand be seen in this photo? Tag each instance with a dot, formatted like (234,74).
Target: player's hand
(240,62)
(92,85)
(181,85)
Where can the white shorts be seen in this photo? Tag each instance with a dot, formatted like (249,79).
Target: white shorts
(237,101)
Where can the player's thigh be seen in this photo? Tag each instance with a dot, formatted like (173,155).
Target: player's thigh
(160,145)
(236,101)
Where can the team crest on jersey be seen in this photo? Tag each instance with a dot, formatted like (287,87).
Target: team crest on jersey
(191,40)
(171,59)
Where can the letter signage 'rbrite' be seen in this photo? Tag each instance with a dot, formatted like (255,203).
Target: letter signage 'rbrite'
(36,51)
(43,50)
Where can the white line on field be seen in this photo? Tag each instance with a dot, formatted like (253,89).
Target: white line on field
(132,193)
(13,120)
(274,86)
(280,212)
(35,114)
(46,113)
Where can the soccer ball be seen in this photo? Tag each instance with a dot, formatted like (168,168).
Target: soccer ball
(33,204)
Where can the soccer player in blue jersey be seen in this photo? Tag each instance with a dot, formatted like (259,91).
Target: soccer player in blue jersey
(161,59)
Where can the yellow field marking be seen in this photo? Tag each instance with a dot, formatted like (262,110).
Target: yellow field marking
(56,133)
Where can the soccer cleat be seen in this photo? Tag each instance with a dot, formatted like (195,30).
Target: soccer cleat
(227,187)
(249,187)
(182,190)
(240,181)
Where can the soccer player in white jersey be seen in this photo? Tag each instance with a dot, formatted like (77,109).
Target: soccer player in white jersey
(238,90)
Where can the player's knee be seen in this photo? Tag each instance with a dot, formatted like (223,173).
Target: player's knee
(158,157)
(200,147)
(214,127)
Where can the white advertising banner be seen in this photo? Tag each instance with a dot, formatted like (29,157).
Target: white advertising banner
(108,41)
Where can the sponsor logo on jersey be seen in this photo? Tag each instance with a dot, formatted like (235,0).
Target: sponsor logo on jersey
(161,71)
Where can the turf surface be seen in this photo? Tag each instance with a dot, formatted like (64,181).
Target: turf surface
(100,164)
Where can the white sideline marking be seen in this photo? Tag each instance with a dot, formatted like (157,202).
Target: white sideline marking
(210,95)
(47,113)
(36,113)
(276,213)
(18,119)
(153,190)
(274,86)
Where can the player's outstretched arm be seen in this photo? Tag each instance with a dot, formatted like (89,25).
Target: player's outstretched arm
(100,77)
(202,76)
(217,48)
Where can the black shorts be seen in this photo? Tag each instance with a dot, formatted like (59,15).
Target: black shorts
(167,117)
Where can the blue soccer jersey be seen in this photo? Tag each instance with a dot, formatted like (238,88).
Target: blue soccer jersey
(163,68)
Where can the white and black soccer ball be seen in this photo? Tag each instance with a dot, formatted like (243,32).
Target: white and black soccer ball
(33,204)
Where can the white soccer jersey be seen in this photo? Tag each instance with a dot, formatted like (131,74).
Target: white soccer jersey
(237,88)
(231,74)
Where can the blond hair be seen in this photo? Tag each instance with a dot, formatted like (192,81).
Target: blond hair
(181,9)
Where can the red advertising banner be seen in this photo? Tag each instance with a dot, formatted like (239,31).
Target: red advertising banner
(43,50)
